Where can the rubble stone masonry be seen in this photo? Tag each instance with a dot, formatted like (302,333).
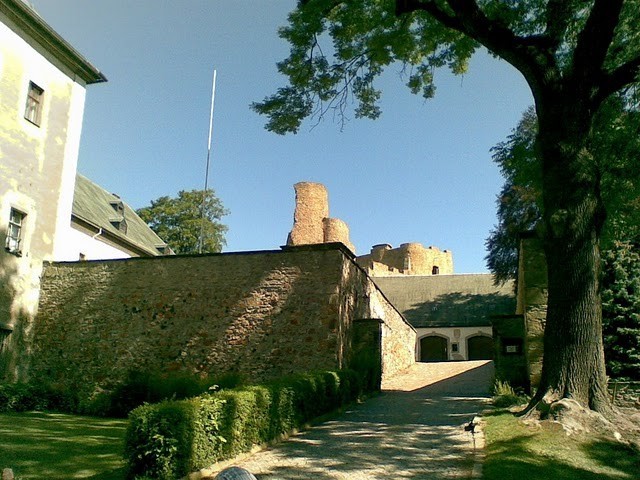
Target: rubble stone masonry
(259,314)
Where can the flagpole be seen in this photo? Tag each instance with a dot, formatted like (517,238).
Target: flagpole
(206,174)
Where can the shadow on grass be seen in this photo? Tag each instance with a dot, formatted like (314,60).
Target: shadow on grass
(622,458)
(52,445)
(514,459)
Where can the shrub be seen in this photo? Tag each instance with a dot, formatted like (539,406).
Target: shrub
(504,395)
(22,397)
(368,364)
(145,387)
(170,439)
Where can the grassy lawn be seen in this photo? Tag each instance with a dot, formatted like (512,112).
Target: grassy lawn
(58,446)
(516,451)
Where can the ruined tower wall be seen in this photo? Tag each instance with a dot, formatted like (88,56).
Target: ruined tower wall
(408,259)
(312,207)
(335,230)
(311,222)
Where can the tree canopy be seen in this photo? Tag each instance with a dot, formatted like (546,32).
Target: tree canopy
(185,220)
(338,48)
(616,148)
(574,55)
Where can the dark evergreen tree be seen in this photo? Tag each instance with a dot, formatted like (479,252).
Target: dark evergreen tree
(621,310)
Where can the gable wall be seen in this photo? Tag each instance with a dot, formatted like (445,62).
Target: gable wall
(37,172)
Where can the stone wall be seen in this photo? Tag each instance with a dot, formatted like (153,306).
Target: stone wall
(259,314)
(408,259)
(509,339)
(398,337)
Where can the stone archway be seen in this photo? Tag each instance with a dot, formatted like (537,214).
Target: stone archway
(479,347)
(434,348)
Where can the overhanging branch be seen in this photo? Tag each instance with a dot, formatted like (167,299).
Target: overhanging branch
(530,55)
(619,78)
(430,7)
(596,37)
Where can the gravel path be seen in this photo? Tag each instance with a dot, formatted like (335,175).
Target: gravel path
(414,429)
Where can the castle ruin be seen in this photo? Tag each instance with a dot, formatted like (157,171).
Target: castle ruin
(408,259)
(311,221)
(312,225)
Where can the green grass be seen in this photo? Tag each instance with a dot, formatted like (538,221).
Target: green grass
(516,451)
(59,446)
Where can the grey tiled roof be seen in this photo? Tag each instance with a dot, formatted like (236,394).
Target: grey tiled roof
(466,300)
(94,205)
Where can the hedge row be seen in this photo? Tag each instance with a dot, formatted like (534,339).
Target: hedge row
(138,387)
(23,397)
(172,438)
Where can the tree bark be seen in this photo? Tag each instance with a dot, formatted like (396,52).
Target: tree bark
(573,215)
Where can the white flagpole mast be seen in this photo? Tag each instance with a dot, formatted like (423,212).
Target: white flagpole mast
(206,175)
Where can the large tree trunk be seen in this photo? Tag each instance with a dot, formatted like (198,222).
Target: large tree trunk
(573,214)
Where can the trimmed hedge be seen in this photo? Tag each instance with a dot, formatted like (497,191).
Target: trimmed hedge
(170,439)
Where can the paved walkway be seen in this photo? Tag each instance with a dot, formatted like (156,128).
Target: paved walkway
(414,429)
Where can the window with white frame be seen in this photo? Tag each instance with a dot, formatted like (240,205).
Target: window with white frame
(33,110)
(15,231)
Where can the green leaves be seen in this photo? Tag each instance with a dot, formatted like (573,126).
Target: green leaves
(339,48)
(621,310)
(615,147)
(180,221)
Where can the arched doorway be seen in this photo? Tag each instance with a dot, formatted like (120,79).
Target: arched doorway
(433,349)
(480,347)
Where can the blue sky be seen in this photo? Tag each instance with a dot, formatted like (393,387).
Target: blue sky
(420,173)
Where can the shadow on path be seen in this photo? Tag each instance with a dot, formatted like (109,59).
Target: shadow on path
(414,429)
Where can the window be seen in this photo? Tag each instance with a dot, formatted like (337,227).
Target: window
(435,270)
(454,347)
(33,110)
(120,224)
(118,206)
(14,232)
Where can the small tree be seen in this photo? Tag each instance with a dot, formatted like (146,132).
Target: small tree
(183,222)
(621,310)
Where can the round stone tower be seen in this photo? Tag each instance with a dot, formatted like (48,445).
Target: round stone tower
(335,230)
(312,207)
